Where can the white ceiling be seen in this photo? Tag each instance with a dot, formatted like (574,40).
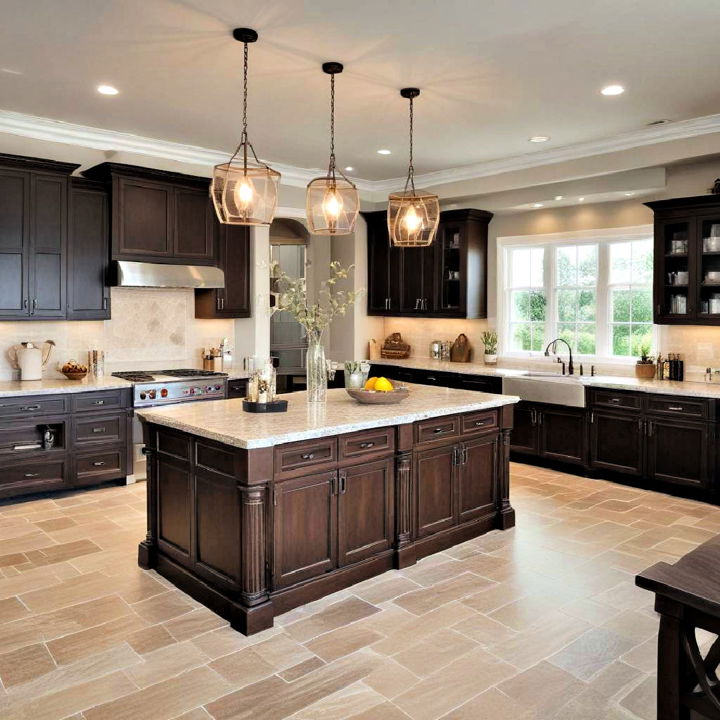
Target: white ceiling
(492,73)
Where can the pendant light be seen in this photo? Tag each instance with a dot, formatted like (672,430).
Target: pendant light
(412,215)
(244,190)
(332,202)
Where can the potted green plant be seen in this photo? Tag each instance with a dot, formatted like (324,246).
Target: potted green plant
(645,366)
(490,341)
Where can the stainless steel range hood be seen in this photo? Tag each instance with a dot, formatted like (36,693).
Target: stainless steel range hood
(157,275)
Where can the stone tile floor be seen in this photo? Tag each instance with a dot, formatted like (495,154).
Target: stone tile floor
(542,621)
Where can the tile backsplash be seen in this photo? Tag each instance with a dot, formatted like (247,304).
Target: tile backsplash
(150,328)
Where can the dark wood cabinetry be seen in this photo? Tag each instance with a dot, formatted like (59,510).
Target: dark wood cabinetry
(446,279)
(90,433)
(660,438)
(33,237)
(297,521)
(551,432)
(687,248)
(88,251)
(233,253)
(158,216)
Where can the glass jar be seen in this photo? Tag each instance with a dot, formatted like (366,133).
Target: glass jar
(317,380)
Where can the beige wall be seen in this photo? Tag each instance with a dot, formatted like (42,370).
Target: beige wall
(699,345)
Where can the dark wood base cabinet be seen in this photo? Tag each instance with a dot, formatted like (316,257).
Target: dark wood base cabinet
(254,533)
(90,441)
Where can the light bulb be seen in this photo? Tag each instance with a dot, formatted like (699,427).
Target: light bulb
(332,206)
(412,220)
(245,195)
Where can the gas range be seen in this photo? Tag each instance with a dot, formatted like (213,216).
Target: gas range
(166,387)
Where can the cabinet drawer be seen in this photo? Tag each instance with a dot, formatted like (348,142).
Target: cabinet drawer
(101,464)
(23,436)
(100,428)
(367,442)
(479,422)
(680,406)
(105,400)
(292,459)
(31,477)
(33,405)
(608,398)
(437,429)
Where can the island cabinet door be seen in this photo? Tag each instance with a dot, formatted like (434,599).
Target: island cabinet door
(305,524)
(476,479)
(365,510)
(434,484)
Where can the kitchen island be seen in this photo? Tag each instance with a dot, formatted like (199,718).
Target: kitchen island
(254,515)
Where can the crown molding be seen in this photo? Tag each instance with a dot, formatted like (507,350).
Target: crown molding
(678,130)
(112,140)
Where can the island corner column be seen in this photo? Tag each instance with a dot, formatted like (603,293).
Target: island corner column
(404,556)
(506,515)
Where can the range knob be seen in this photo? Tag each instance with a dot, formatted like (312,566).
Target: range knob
(164,393)
(152,394)
(142,395)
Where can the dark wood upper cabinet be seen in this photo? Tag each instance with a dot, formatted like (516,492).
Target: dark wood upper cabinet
(233,253)
(88,251)
(683,293)
(33,237)
(446,279)
(158,216)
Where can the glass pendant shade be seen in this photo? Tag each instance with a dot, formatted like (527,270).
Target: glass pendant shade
(245,193)
(412,215)
(332,205)
(332,202)
(244,190)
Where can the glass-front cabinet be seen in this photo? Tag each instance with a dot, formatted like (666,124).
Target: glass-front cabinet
(686,285)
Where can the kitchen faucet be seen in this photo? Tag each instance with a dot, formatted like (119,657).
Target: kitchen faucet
(553,344)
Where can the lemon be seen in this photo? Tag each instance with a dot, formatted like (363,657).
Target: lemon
(370,383)
(383,385)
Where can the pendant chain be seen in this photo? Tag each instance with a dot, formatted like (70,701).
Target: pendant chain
(332,126)
(245,91)
(411,167)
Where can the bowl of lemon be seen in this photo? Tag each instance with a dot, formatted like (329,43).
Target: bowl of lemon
(379,391)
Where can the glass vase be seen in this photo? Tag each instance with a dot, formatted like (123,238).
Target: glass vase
(317,380)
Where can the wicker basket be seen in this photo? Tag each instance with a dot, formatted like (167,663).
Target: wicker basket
(76,375)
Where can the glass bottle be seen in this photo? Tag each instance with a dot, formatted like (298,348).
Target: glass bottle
(316,368)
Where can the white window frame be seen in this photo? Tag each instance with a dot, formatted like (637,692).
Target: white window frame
(602,237)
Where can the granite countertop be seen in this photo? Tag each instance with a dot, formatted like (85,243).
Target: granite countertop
(226,422)
(686,388)
(59,386)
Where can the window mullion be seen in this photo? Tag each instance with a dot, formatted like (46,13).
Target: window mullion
(550,294)
(602,302)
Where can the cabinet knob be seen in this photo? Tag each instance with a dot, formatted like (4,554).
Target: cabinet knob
(308,456)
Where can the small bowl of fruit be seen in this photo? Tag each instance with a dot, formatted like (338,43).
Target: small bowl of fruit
(73,370)
(379,391)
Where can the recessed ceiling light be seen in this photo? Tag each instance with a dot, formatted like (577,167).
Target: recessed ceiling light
(559,197)
(539,138)
(629,194)
(613,90)
(107,90)
(10,71)
(538,205)
(384,151)
(349,168)
(581,199)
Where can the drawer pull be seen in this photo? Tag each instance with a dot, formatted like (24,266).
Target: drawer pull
(99,463)
(98,430)
(99,402)
(677,408)
(615,401)
(439,430)
(28,408)
(366,445)
(32,446)
(32,475)
(479,423)
(308,456)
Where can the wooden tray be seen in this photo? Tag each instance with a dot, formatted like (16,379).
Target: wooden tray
(377,397)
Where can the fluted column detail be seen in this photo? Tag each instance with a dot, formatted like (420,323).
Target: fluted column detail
(403,495)
(254,588)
